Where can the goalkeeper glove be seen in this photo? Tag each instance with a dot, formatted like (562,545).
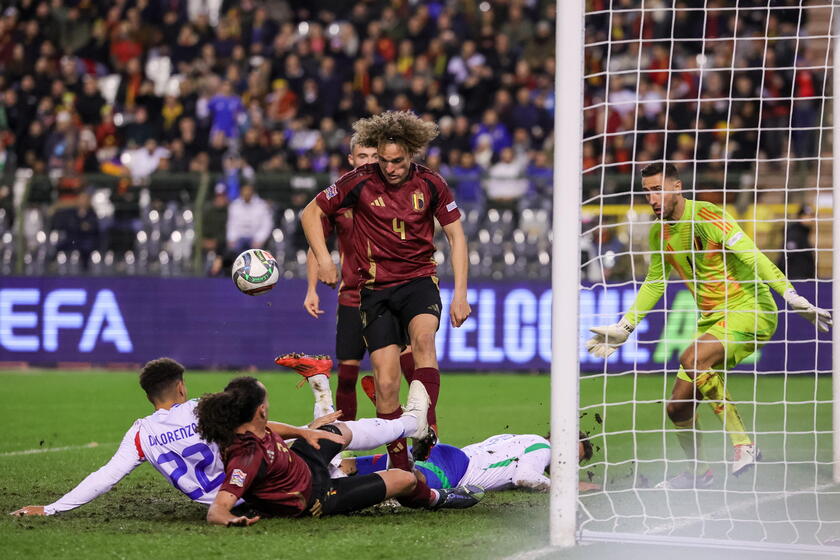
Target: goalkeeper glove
(820,317)
(607,339)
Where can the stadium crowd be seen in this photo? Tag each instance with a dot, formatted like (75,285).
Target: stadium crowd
(157,89)
(728,100)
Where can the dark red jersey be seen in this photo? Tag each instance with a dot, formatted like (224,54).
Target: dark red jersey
(267,474)
(393,225)
(342,225)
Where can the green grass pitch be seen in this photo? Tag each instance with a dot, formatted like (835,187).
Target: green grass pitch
(145,517)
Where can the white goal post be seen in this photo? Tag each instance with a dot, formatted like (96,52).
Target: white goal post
(791,501)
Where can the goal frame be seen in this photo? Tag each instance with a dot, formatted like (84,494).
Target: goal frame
(565,368)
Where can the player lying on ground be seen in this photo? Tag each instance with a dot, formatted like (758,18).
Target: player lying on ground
(282,481)
(350,346)
(395,203)
(730,280)
(167,439)
(501,462)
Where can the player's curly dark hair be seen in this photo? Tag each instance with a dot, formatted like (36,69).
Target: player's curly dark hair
(158,376)
(403,128)
(219,414)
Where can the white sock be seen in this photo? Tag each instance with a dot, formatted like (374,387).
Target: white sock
(320,385)
(370,433)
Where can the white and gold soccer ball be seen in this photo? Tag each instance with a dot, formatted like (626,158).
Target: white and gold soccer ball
(255,272)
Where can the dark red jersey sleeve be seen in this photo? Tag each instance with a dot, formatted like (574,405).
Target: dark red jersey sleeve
(345,192)
(241,470)
(446,211)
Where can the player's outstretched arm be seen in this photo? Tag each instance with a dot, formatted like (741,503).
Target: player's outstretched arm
(311,436)
(219,512)
(746,251)
(29,511)
(125,460)
(310,219)
(608,338)
(312,303)
(459,309)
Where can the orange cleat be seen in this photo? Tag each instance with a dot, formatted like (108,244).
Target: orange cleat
(369,387)
(305,364)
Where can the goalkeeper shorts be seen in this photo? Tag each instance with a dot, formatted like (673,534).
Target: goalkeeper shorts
(740,332)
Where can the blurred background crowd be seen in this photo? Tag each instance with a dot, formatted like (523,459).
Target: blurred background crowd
(147,137)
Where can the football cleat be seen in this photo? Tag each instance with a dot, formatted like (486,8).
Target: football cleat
(746,455)
(305,364)
(422,447)
(417,405)
(369,387)
(460,497)
(688,481)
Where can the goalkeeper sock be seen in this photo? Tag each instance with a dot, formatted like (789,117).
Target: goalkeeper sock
(691,440)
(370,433)
(320,385)
(430,378)
(345,397)
(407,366)
(711,385)
(397,450)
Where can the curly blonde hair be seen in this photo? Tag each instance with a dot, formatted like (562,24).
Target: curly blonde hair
(403,128)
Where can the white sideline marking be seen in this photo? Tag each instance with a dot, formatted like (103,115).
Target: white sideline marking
(534,554)
(718,513)
(90,445)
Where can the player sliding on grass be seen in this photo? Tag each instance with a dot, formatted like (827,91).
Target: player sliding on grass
(501,462)
(395,203)
(349,343)
(730,280)
(282,481)
(167,439)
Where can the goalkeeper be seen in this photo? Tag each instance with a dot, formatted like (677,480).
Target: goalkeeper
(730,280)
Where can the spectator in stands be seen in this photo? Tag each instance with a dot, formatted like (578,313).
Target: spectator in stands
(144,161)
(465,179)
(249,221)
(8,165)
(798,261)
(506,183)
(79,226)
(214,231)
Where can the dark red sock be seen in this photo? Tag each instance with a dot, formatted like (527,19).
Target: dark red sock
(345,397)
(420,497)
(407,365)
(430,378)
(397,449)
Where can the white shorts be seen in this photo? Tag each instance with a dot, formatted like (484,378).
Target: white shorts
(507,461)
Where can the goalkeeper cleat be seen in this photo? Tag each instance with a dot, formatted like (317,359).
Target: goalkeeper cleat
(305,364)
(746,455)
(688,481)
(422,447)
(369,387)
(461,497)
(417,405)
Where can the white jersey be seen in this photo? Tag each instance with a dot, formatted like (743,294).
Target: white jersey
(508,461)
(166,439)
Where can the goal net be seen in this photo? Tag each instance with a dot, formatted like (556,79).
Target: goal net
(737,95)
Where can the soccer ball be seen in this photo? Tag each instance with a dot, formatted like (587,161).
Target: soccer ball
(255,272)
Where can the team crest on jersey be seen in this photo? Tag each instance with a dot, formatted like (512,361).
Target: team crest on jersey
(237,478)
(418,201)
(331,191)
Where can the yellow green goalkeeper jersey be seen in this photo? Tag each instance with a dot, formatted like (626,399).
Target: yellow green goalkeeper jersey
(718,262)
